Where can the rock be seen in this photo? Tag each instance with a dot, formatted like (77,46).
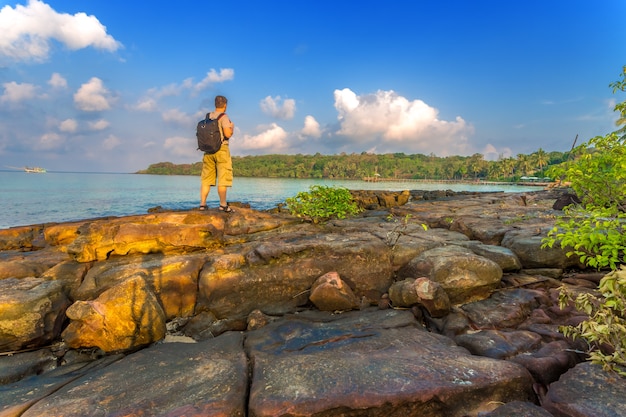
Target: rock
(411,240)
(498,344)
(377,362)
(277,274)
(374,199)
(205,325)
(505,258)
(566,200)
(124,317)
(587,391)
(484,230)
(172,379)
(16,367)
(69,273)
(257,319)
(32,312)
(330,293)
(503,309)
(420,291)
(549,362)
(18,264)
(17,398)
(164,233)
(19,237)
(462,274)
(527,246)
(173,279)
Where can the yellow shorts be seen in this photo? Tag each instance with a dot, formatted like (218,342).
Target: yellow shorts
(218,167)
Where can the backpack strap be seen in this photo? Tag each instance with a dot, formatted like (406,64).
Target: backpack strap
(220,126)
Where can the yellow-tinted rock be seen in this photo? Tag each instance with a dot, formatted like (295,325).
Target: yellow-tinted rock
(124,317)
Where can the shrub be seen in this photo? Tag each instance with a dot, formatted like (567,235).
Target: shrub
(605,330)
(322,203)
(595,232)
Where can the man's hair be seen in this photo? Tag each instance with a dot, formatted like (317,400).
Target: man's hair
(220,101)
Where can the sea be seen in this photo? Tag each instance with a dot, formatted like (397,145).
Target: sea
(53,197)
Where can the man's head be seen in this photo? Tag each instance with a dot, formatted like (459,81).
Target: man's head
(220,102)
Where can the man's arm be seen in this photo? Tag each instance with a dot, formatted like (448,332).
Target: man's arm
(227,126)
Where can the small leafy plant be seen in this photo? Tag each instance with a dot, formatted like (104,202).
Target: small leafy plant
(322,203)
(605,330)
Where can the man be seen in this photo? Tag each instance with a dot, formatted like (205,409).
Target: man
(218,168)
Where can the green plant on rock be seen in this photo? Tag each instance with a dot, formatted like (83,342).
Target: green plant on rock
(605,330)
(322,203)
(595,232)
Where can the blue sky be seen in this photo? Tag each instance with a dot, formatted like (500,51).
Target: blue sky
(112,86)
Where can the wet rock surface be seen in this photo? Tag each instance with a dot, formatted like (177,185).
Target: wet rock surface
(428,304)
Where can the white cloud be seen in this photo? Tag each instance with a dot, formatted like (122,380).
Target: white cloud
(68,125)
(93,96)
(111,142)
(169,90)
(182,147)
(213,77)
(390,122)
(273,139)
(27,31)
(50,141)
(146,104)
(178,117)
(272,106)
(98,124)
(14,92)
(311,127)
(57,81)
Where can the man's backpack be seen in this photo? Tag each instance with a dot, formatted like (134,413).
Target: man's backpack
(209,134)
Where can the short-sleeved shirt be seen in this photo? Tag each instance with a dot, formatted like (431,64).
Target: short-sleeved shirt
(224,121)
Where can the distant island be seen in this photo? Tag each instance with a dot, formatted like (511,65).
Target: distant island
(396,166)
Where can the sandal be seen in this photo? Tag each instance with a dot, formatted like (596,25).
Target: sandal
(226,209)
(202,208)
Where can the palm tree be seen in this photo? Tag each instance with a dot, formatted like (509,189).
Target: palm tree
(541,158)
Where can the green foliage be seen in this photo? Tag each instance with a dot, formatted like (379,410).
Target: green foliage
(605,330)
(322,203)
(596,235)
(396,165)
(595,232)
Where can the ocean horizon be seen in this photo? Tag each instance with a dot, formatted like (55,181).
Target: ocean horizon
(55,197)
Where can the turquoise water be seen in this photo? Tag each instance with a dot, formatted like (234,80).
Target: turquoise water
(57,197)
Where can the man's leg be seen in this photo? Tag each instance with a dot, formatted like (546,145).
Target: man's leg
(204,193)
(221,192)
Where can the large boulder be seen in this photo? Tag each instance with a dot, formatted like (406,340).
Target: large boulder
(170,379)
(374,363)
(167,232)
(124,317)
(20,264)
(23,237)
(276,276)
(173,279)
(464,275)
(528,246)
(585,391)
(32,312)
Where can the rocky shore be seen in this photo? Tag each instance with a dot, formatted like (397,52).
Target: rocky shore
(426,304)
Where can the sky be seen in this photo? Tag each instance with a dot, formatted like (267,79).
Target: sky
(114,86)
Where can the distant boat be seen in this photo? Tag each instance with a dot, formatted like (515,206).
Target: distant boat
(36,170)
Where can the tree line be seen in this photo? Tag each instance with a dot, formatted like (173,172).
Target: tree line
(367,165)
